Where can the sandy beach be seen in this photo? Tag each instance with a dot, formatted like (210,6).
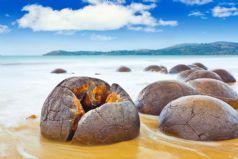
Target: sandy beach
(26,82)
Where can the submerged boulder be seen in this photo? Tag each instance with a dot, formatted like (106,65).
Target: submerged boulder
(217,89)
(123,69)
(156,68)
(202,74)
(153,98)
(89,111)
(225,75)
(59,70)
(179,68)
(200,118)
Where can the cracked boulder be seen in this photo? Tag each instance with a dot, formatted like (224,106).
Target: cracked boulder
(89,111)
(156,68)
(225,75)
(200,118)
(202,74)
(153,98)
(217,89)
(179,68)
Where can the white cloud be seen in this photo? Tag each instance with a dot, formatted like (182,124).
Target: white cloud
(151,1)
(97,16)
(223,12)
(4,29)
(65,32)
(145,29)
(98,37)
(195,2)
(168,22)
(197,14)
(105,1)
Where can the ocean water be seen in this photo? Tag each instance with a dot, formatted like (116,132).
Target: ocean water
(25,83)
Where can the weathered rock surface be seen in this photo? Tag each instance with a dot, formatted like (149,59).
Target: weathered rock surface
(184,74)
(202,74)
(179,68)
(153,98)
(200,118)
(89,111)
(156,68)
(123,69)
(225,75)
(198,64)
(217,89)
(59,70)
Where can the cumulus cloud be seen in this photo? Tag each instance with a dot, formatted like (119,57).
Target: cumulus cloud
(223,12)
(98,37)
(168,22)
(96,16)
(195,2)
(4,29)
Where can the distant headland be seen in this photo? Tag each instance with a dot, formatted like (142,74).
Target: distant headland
(215,48)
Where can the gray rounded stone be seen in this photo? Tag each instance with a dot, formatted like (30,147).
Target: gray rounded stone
(201,118)
(153,98)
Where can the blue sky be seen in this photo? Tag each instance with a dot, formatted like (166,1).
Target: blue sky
(34,27)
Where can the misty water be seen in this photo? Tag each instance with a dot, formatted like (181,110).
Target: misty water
(25,83)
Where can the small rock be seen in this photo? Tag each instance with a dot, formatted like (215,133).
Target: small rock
(179,68)
(123,69)
(59,71)
(198,64)
(156,68)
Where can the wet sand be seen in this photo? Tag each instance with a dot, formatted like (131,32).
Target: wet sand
(25,141)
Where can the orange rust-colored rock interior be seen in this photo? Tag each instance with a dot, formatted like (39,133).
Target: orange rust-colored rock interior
(88,97)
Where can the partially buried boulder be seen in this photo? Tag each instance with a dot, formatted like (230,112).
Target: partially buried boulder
(200,65)
(200,118)
(153,98)
(123,69)
(156,68)
(217,89)
(225,75)
(179,68)
(89,111)
(202,74)
(59,71)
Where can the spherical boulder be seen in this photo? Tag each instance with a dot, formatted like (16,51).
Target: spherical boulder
(156,68)
(88,111)
(198,64)
(225,75)
(217,89)
(153,98)
(59,71)
(123,69)
(184,74)
(202,74)
(179,68)
(200,118)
